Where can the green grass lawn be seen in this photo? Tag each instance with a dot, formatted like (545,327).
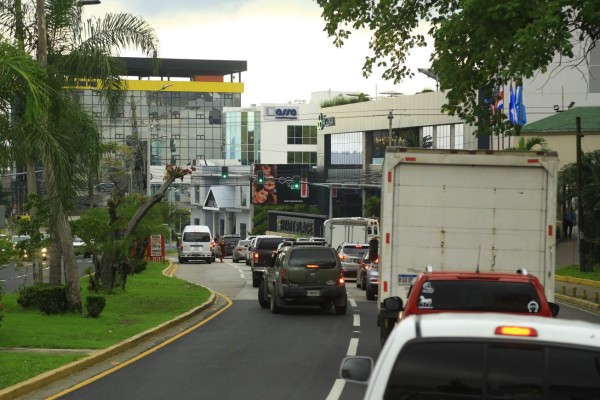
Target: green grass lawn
(149,300)
(573,270)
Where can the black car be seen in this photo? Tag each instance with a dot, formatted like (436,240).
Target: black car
(262,253)
(230,242)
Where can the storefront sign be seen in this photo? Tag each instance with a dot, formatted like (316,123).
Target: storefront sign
(298,226)
(282,113)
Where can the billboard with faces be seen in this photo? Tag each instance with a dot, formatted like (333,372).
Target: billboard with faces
(275,184)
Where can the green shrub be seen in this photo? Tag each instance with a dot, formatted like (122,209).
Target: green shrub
(138,265)
(29,296)
(94,305)
(53,300)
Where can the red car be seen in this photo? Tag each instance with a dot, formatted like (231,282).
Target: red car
(515,293)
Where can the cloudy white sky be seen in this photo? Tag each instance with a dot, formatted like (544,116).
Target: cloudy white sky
(288,53)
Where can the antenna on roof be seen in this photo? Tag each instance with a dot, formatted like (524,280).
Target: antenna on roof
(478,258)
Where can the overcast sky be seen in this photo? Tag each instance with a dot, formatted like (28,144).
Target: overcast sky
(288,53)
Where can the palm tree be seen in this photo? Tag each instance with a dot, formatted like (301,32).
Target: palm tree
(532,143)
(68,144)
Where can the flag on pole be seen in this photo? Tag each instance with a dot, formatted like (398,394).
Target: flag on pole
(500,98)
(520,110)
(511,105)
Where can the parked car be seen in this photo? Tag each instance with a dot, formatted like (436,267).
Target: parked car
(81,248)
(350,255)
(240,250)
(304,274)
(262,252)
(482,356)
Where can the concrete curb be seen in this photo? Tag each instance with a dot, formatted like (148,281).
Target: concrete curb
(45,379)
(580,302)
(578,281)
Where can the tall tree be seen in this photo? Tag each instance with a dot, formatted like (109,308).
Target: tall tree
(75,50)
(477,43)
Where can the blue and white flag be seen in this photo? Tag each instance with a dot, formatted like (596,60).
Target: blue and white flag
(511,105)
(521,111)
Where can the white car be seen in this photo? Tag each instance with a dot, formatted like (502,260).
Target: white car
(482,356)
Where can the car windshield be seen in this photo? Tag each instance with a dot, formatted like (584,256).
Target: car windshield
(473,369)
(270,243)
(231,240)
(483,295)
(244,243)
(355,250)
(196,237)
(323,257)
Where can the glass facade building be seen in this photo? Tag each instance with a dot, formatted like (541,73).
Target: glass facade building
(242,136)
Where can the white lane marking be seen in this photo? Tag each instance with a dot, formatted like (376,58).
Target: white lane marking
(352,302)
(336,390)
(356,320)
(352,347)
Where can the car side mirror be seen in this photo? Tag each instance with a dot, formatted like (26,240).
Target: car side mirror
(356,369)
(393,304)
(554,308)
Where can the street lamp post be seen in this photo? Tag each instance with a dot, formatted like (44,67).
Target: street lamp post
(390,118)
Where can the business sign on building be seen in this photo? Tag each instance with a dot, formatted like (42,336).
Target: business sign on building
(296,224)
(280,184)
(287,113)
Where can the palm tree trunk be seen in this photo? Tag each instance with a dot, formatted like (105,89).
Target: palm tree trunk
(36,265)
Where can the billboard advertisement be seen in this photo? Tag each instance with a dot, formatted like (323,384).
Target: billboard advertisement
(280,184)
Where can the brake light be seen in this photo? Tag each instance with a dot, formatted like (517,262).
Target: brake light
(341,280)
(312,266)
(343,258)
(283,275)
(255,255)
(516,331)
(367,267)
(376,260)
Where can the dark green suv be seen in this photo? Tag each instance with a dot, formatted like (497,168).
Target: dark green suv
(304,275)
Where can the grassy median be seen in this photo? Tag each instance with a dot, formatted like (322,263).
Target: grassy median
(149,300)
(573,271)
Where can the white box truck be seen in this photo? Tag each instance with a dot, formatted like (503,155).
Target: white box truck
(350,230)
(465,210)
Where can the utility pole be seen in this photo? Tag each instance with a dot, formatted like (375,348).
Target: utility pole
(390,118)
(581,219)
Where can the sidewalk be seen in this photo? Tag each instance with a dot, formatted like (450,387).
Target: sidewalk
(583,292)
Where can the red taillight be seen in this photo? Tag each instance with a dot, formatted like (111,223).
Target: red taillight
(283,275)
(367,267)
(343,258)
(376,261)
(312,266)
(341,280)
(255,255)
(516,331)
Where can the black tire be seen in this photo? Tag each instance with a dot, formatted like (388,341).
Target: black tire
(208,260)
(263,299)
(275,308)
(181,260)
(358,281)
(371,292)
(341,310)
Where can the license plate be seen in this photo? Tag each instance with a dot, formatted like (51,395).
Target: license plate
(405,279)
(196,247)
(313,292)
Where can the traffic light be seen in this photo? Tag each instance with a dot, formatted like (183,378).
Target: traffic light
(260,176)
(224,172)
(296,182)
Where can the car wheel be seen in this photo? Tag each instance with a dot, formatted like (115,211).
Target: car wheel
(263,298)
(363,284)
(181,260)
(209,260)
(371,293)
(275,309)
(341,310)
(256,280)
(358,281)
(234,259)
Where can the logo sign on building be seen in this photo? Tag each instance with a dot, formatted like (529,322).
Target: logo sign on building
(288,113)
(277,185)
(325,121)
(296,226)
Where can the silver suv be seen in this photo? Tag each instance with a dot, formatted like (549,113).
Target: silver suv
(304,275)
(351,255)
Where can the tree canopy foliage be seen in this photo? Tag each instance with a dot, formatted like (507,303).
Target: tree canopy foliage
(477,43)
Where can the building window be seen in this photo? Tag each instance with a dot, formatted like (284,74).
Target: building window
(347,148)
(302,157)
(443,137)
(297,134)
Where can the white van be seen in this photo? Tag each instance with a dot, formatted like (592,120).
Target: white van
(195,244)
